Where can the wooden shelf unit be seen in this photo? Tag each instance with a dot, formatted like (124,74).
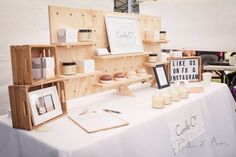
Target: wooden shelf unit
(21,59)
(20,106)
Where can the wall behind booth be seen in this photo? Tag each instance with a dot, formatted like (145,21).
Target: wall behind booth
(207,25)
(26,22)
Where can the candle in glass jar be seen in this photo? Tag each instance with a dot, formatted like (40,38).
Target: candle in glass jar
(183,93)
(175,95)
(167,98)
(158,102)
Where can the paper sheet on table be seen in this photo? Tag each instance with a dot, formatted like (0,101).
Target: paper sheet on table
(93,122)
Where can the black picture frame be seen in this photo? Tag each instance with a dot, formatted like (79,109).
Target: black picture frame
(160,75)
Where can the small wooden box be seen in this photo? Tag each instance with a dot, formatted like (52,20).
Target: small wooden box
(20,107)
(21,59)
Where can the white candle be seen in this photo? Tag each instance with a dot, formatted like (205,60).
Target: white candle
(158,102)
(167,98)
(175,95)
(183,93)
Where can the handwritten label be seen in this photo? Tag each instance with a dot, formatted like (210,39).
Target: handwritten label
(184,69)
(203,143)
(185,124)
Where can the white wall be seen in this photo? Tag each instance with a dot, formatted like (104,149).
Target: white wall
(26,22)
(196,24)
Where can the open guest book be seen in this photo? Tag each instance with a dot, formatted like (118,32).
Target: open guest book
(93,122)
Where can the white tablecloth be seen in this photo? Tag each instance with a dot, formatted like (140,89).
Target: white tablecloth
(146,135)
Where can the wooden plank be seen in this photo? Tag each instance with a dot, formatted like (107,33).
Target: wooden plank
(147,64)
(121,55)
(116,84)
(155,41)
(79,75)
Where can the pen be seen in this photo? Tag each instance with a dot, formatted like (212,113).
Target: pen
(113,111)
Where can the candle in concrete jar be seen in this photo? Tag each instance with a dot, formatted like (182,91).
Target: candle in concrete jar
(152,58)
(162,35)
(158,102)
(68,68)
(85,35)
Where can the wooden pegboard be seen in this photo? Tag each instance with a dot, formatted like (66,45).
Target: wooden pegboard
(63,17)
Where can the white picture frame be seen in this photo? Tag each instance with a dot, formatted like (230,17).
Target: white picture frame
(123,34)
(44,104)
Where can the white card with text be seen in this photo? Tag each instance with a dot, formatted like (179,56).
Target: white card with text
(185,124)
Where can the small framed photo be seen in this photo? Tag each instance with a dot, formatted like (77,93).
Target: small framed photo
(44,104)
(123,34)
(160,75)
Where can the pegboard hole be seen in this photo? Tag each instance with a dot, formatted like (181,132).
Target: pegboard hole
(115,69)
(57,13)
(82,14)
(74,91)
(70,14)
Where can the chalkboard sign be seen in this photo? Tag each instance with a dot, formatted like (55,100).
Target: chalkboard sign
(184,68)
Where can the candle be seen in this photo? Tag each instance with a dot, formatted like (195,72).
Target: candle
(175,95)
(183,93)
(167,98)
(158,102)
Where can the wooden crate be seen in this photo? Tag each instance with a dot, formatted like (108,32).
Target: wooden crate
(21,59)
(20,107)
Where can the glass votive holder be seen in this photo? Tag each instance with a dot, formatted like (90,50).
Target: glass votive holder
(158,101)
(175,96)
(183,92)
(167,98)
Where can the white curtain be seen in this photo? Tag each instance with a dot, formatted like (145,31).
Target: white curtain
(26,22)
(196,24)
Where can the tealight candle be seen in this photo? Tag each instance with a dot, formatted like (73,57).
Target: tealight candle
(158,102)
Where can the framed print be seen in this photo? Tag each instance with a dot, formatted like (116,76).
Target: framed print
(184,69)
(123,34)
(160,75)
(44,104)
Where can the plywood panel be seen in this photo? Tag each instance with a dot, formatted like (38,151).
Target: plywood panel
(62,17)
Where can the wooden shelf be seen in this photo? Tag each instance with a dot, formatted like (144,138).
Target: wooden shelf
(121,55)
(45,81)
(155,41)
(147,64)
(73,44)
(79,75)
(116,84)
(38,46)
